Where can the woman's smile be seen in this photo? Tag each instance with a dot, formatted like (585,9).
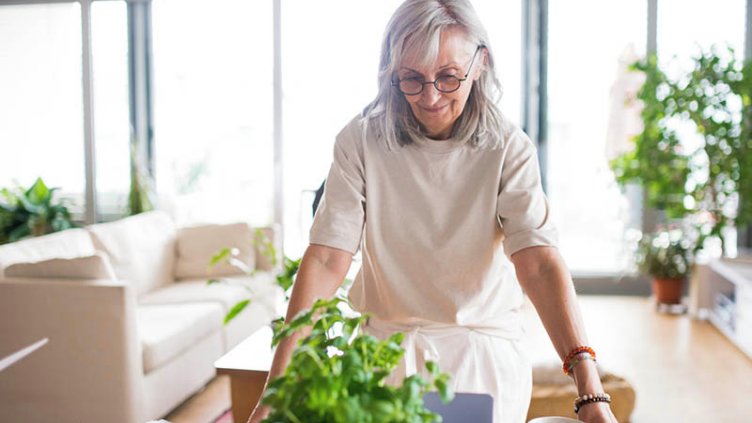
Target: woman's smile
(435,109)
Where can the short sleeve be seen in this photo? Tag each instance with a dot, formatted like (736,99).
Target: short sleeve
(522,207)
(340,217)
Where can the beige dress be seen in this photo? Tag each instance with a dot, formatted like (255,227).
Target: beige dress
(436,222)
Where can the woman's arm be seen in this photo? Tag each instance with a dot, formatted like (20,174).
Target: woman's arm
(321,272)
(545,279)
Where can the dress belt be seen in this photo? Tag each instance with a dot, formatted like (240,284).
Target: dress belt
(418,337)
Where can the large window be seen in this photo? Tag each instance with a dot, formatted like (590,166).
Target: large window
(111,128)
(211,84)
(41,111)
(328,78)
(590,43)
(685,27)
(330,54)
(213,109)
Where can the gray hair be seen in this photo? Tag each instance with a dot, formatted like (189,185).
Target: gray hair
(416,26)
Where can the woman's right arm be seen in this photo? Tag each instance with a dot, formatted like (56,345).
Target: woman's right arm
(322,271)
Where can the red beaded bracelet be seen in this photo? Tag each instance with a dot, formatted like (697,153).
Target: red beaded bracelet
(579,350)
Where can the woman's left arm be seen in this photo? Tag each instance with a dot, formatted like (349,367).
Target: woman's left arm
(546,280)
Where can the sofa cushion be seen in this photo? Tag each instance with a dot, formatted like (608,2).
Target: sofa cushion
(141,249)
(261,287)
(168,330)
(65,244)
(196,245)
(96,266)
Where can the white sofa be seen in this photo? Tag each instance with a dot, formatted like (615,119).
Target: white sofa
(133,327)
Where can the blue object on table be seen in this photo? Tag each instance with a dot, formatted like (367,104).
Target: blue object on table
(465,408)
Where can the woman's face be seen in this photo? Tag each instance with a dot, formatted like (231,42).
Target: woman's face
(435,110)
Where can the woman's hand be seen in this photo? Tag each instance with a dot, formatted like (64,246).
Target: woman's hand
(596,412)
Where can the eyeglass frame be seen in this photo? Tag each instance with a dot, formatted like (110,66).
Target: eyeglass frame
(435,81)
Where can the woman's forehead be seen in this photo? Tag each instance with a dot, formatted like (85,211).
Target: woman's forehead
(453,49)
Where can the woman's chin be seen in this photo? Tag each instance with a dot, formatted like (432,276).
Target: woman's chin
(438,132)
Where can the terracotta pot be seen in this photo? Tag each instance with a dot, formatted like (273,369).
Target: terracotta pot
(668,291)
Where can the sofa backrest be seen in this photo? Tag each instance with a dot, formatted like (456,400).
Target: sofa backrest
(141,249)
(197,244)
(70,243)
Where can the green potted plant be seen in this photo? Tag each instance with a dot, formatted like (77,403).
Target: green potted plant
(666,256)
(31,212)
(338,374)
(704,179)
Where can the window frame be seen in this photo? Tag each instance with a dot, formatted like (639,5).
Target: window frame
(534,108)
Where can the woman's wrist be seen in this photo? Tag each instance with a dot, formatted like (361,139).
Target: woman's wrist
(586,378)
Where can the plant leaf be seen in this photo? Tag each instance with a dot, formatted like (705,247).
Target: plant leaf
(222,255)
(235,310)
(38,193)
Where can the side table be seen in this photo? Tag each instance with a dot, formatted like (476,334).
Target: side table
(247,365)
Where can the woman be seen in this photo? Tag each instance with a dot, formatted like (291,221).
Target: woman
(441,192)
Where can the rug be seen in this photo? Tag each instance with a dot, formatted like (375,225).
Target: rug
(226,417)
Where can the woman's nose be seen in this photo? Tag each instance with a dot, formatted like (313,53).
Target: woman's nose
(430,93)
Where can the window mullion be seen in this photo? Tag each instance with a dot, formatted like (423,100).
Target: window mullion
(90,213)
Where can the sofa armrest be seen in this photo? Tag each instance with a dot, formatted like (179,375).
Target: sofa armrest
(273,233)
(91,368)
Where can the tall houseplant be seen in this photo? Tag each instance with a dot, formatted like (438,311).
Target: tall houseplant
(709,186)
(31,212)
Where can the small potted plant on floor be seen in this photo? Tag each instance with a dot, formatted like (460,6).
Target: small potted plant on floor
(665,255)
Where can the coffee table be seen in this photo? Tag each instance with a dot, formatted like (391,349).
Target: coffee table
(247,365)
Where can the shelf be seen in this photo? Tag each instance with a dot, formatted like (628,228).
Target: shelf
(728,332)
(732,278)
(738,273)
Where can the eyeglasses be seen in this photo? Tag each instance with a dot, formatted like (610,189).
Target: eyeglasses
(444,84)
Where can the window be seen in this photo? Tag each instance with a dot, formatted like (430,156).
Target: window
(213,109)
(41,112)
(503,21)
(590,44)
(684,27)
(328,78)
(111,128)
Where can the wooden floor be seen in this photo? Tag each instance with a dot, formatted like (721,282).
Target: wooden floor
(682,370)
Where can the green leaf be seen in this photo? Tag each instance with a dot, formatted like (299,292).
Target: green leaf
(222,255)
(432,368)
(18,233)
(38,193)
(334,377)
(235,310)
